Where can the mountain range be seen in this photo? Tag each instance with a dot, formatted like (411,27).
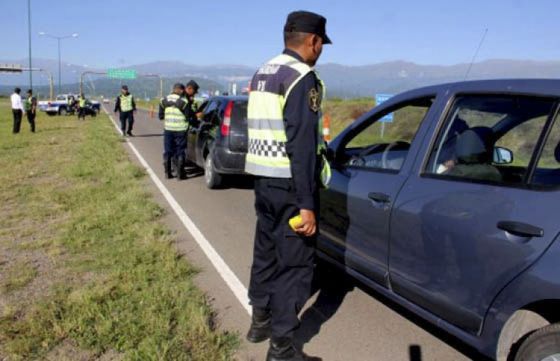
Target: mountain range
(341,80)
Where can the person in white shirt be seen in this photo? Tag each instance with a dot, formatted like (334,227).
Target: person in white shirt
(17,109)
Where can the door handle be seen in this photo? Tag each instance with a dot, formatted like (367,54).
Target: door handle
(379,197)
(520,229)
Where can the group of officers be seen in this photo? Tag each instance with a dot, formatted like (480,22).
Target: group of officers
(178,111)
(286,157)
(29,105)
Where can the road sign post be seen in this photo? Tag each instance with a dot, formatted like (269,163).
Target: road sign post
(380,98)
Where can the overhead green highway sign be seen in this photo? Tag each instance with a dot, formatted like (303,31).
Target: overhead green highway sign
(121,73)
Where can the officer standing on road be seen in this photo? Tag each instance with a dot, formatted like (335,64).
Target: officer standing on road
(176,111)
(17,109)
(30,106)
(284,115)
(126,105)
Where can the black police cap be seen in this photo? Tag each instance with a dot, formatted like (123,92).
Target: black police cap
(307,22)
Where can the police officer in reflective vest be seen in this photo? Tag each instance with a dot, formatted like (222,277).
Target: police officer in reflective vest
(191,89)
(126,105)
(30,106)
(176,111)
(284,117)
(82,101)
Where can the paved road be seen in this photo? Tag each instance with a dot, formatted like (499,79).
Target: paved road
(343,321)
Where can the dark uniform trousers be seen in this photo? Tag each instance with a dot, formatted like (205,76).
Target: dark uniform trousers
(174,144)
(127,117)
(18,114)
(31,120)
(282,269)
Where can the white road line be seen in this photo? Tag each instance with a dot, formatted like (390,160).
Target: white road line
(217,261)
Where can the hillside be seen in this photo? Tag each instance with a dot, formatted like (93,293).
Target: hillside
(342,80)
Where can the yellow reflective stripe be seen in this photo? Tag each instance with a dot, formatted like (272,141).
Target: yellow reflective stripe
(262,106)
(283,162)
(266,134)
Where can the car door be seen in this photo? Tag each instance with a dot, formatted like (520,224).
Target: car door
(370,163)
(193,138)
(468,220)
(208,128)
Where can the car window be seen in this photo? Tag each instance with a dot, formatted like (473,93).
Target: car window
(384,142)
(547,172)
(60,97)
(490,138)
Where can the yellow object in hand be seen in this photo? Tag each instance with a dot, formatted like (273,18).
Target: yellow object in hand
(295,222)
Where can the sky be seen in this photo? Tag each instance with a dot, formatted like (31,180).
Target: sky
(120,33)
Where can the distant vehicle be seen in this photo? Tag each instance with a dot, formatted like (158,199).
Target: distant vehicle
(450,211)
(219,141)
(105,101)
(60,105)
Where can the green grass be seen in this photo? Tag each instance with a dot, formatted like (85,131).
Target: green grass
(70,197)
(344,112)
(17,276)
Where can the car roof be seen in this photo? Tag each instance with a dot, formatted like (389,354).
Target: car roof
(545,87)
(229,97)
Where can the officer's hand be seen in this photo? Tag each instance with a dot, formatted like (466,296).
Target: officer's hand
(308,225)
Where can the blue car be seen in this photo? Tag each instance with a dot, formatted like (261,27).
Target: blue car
(445,200)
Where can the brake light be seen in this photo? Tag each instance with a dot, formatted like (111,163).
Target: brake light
(227,119)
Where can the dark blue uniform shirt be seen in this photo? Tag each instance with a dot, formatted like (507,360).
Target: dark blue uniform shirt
(301,130)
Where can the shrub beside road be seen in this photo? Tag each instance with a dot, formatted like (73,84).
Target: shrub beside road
(87,269)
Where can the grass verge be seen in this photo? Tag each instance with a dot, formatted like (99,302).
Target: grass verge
(84,259)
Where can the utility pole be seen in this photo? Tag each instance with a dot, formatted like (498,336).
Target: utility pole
(29,29)
(59,38)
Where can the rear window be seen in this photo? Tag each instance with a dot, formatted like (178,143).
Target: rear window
(239,111)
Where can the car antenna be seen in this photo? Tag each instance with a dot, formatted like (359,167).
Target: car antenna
(476,53)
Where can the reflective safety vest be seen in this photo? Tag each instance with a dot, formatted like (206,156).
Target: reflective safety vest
(270,88)
(175,119)
(126,102)
(28,103)
(81,102)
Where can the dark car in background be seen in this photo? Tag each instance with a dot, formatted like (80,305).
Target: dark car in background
(451,210)
(218,143)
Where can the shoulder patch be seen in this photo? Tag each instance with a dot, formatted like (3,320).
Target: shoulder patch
(314,99)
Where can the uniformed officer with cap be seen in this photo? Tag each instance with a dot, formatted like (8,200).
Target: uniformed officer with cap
(285,142)
(176,112)
(126,105)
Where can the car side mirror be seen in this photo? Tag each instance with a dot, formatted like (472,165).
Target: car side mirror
(502,156)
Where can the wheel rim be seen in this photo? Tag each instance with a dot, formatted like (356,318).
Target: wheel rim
(555,357)
(208,170)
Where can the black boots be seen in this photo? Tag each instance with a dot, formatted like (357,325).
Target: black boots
(181,168)
(167,168)
(260,326)
(283,349)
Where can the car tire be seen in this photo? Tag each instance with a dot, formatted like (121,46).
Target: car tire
(212,178)
(62,111)
(541,345)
